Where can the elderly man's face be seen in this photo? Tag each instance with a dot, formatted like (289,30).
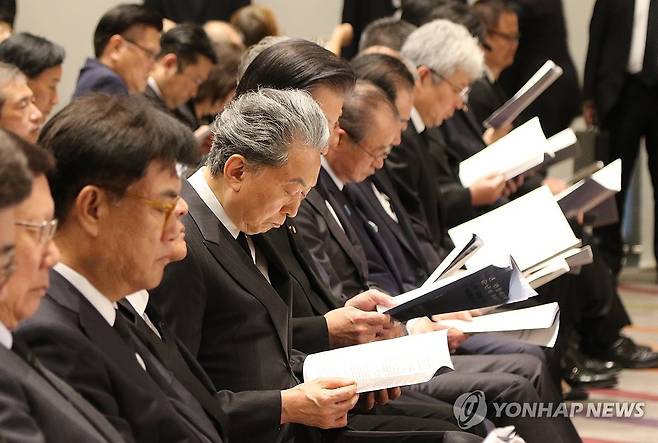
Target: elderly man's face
(7,248)
(19,113)
(36,253)
(139,232)
(440,97)
(355,161)
(267,195)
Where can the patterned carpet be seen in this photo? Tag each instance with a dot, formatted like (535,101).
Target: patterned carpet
(639,292)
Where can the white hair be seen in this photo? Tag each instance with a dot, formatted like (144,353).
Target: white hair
(445,47)
(262,125)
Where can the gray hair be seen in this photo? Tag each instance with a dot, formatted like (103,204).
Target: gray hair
(8,73)
(445,47)
(254,50)
(262,125)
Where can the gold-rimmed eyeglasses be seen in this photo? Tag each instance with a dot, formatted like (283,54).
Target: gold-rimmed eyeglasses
(44,230)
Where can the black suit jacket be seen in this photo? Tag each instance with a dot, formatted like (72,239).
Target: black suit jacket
(399,237)
(485,98)
(227,314)
(36,405)
(73,340)
(198,11)
(182,113)
(462,136)
(412,170)
(352,256)
(610,33)
(311,298)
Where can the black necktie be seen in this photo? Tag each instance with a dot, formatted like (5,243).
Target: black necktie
(650,64)
(242,241)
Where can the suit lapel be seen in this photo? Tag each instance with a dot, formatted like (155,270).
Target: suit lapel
(226,250)
(318,203)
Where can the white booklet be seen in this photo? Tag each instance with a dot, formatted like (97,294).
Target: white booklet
(383,364)
(538,325)
(454,261)
(519,151)
(532,229)
(513,107)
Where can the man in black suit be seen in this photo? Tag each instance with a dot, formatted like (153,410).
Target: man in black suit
(35,405)
(543,36)
(116,193)
(620,85)
(230,264)
(185,60)
(126,42)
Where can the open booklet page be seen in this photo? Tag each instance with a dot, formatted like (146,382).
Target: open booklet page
(589,193)
(538,323)
(542,79)
(455,260)
(531,228)
(383,364)
(517,152)
(476,288)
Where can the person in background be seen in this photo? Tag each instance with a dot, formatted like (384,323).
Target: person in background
(126,43)
(185,60)
(41,62)
(7,17)
(255,22)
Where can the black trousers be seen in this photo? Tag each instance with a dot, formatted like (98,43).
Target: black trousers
(634,116)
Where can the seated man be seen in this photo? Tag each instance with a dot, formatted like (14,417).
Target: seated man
(35,405)
(249,346)
(116,196)
(185,59)
(126,42)
(41,61)
(18,113)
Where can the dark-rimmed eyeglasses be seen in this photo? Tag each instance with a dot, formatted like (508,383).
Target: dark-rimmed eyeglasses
(462,92)
(378,157)
(44,230)
(149,53)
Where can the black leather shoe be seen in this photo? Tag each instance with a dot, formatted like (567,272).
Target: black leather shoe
(625,352)
(579,377)
(573,357)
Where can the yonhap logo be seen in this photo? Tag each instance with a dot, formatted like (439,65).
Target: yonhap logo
(470,409)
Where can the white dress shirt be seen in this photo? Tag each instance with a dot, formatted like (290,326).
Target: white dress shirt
(417,121)
(105,307)
(385,201)
(639,36)
(202,188)
(139,300)
(6,338)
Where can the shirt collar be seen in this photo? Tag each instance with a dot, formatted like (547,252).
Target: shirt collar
(154,85)
(200,185)
(6,338)
(325,164)
(417,121)
(139,300)
(105,307)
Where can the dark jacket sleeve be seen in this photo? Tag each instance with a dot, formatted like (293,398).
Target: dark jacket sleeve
(310,334)
(253,413)
(16,422)
(596,30)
